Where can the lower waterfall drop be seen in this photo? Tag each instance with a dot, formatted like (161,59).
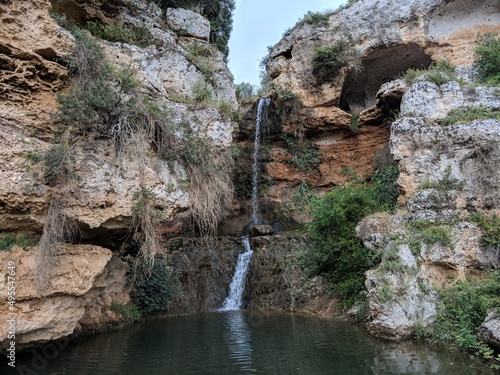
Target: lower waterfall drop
(237,287)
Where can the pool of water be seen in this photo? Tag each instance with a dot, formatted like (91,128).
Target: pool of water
(242,342)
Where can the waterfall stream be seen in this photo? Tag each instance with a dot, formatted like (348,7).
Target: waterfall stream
(235,298)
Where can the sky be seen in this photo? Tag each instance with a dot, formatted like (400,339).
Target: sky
(261,23)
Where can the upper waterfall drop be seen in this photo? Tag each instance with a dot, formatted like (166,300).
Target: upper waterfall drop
(260,127)
(237,287)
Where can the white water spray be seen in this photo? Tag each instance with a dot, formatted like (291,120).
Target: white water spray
(235,298)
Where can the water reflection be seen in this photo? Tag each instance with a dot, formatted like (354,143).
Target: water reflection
(238,340)
(248,342)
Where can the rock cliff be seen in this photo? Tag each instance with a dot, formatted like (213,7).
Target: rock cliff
(169,61)
(346,113)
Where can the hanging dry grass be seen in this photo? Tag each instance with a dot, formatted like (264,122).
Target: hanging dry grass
(58,229)
(144,228)
(211,188)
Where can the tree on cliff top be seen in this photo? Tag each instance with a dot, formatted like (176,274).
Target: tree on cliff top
(218,12)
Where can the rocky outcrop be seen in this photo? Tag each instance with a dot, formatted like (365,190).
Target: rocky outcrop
(420,30)
(383,40)
(489,332)
(276,278)
(82,283)
(446,172)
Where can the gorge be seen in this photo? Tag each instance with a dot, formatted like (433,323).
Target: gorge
(132,178)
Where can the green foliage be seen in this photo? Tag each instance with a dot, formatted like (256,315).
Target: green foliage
(202,56)
(327,61)
(55,159)
(384,182)
(336,252)
(436,234)
(156,292)
(439,73)
(490,224)
(130,312)
(353,126)
(202,92)
(244,90)
(466,115)
(315,19)
(218,12)
(305,155)
(7,241)
(464,308)
(300,200)
(487,58)
(120,33)
(446,182)
(286,109)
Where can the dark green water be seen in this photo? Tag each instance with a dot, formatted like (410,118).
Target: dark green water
(243,342)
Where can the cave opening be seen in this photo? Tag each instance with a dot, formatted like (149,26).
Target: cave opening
(381,66)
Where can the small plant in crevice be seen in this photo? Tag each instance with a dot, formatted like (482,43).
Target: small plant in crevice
(490,238)
(328,61)
(120,32)
(304,155)
(465,115)
(354,126)
(439,73)
(156,289)
(286,109)
(23,240)
(55,163)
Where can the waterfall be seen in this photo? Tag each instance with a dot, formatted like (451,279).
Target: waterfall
(235,298)
(260,125)
(237,287)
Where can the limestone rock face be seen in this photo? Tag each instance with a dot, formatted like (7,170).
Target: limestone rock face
(101,196)
(83,281)
(187,23)
(426,99)
(461,157)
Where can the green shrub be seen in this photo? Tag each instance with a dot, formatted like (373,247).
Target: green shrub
(300,201)
(315,19)
(286,109)
(463,310)
(156,292)
(465,115)
(305,155)
(120,33)
(354,126)
(336,252)
(487,58)
(55,160)
(7,241)
(202,92)
(384,182)
(490,224)
(439,73)
(327,61)
(436,234)
(130,312)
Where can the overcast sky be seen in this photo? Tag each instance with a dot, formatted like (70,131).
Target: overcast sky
(261,23)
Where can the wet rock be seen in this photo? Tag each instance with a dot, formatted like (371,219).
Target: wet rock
(260,230)
(489,331)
